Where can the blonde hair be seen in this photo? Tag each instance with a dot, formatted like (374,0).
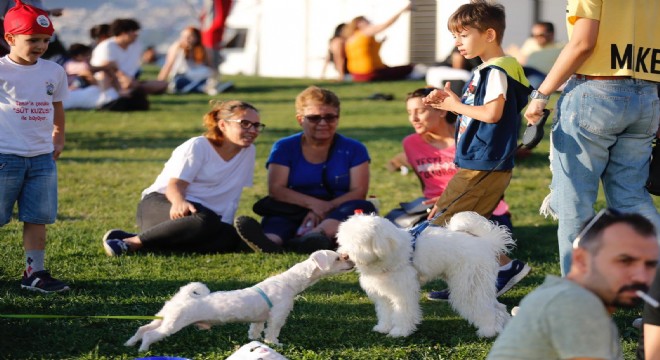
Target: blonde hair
(315,95)
(351,27)
(222,111)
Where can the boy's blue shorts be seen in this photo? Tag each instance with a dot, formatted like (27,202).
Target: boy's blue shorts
(32,182)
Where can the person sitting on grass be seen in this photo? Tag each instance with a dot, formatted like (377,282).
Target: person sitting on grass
(430,152)
(316,179)
(191,205)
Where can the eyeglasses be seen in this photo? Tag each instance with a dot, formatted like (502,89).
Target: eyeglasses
(315,119)
(608,212)
(540,35)
(246,124)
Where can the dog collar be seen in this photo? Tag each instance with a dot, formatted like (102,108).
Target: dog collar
(263,295)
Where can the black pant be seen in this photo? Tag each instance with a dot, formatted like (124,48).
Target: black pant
(201,232)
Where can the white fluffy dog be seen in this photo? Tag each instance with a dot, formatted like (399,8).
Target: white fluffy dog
(464,254)
(268,301)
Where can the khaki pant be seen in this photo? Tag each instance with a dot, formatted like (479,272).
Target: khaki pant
(481,198)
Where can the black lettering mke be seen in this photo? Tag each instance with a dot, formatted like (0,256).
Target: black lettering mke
(642,53)
(621,62)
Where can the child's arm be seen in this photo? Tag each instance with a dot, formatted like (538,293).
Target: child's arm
(446,99)
(58,129)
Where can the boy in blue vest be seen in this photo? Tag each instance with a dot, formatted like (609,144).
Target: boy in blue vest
(487,125)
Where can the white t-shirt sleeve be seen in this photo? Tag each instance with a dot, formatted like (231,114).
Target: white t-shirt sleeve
(185,162)
(101,53)
(496,86)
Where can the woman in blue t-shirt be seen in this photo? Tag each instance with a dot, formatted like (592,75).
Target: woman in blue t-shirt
(316,179)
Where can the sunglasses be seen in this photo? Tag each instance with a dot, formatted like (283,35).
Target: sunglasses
(604,213)
(315,119)
(246,124)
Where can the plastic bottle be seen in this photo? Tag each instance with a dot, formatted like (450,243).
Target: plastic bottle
(305,228)
(376,203)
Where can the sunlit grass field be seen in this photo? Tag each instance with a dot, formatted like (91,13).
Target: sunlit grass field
(111,157)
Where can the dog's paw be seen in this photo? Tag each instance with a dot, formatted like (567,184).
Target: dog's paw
(488,332)
(130,342)
(202,325)
(273,342)
(382,328)
(399,331)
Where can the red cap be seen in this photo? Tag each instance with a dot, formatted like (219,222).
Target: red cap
(27,20)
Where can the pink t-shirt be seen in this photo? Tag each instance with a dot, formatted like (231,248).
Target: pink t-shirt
(435,167)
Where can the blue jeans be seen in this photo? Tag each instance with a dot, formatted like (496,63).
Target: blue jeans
(602,132)
(32,182)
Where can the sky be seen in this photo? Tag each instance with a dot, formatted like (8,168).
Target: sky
(161,20)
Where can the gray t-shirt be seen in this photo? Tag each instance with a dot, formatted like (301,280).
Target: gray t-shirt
(559,320)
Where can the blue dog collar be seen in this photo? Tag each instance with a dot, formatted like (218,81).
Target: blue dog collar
(263,295)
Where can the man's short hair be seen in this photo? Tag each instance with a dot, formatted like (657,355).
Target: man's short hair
(592,230)
(481,15)
(549,27)
(122,26)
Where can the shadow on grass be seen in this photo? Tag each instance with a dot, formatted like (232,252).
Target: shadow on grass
(314,324)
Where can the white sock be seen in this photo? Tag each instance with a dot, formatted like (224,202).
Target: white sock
(507,266)
(34,261)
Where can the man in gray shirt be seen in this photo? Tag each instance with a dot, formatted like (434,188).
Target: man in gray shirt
(570,318)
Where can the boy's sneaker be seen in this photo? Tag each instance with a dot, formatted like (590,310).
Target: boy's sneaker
(43,282)
(442,295)
(117,234)
(506,279)
(310,242)
(115,247)
(251,233)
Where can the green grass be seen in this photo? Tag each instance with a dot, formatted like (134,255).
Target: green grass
(111,157)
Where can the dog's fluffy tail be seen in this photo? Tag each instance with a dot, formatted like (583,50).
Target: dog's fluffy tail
(193,289)
(477,225)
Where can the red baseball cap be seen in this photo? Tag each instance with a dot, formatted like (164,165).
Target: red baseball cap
(27,20)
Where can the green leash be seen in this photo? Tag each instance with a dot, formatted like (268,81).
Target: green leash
(116,317)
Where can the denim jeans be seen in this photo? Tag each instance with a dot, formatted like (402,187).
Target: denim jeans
(32,183)
(602,132)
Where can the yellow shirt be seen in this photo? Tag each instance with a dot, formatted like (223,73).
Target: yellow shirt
(362,54)
(628,37)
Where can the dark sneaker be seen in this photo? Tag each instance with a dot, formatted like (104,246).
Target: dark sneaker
(506,279)
(251,233)
(442,295)
(43,282)
(115,247)
(117,234)
(311,242)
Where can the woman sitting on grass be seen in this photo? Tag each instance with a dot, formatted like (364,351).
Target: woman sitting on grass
(316,179)
(191,205)
(430,152)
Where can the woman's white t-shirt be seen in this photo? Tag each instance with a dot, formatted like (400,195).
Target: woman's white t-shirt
(213,182)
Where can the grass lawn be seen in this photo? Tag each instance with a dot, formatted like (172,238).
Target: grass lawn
(111,157)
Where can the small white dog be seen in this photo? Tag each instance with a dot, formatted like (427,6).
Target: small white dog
(268,301)
(464,254)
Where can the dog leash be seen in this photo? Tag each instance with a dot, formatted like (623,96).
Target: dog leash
(531,137)
(263,295)
(46,316)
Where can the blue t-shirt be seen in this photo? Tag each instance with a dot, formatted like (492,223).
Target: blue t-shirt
(307,178)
